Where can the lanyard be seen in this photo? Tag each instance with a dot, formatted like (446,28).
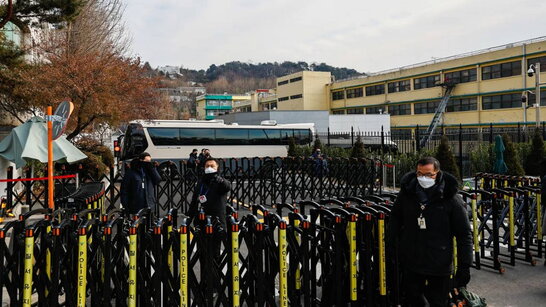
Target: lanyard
(201,191)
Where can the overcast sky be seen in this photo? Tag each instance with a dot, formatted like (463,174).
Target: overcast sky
(365,35)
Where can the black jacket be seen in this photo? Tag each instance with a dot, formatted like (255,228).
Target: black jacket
(215,189)
(430,251)
(133,195)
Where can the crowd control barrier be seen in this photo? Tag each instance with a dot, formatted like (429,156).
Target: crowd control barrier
(330,252)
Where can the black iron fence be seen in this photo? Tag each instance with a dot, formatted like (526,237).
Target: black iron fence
(253,181)
(462,140)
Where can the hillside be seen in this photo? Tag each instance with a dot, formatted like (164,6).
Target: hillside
(239,77)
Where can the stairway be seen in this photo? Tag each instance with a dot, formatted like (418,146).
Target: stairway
(448,86)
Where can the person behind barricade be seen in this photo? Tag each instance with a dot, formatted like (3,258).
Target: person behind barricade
(321,164)
(426,216)
(210,193)
(138,185)
(192,160)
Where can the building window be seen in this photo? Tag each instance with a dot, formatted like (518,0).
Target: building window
(284,98)
(504,101)
(338,112)
(355,92)
(296,96)
(355,111)
(295,79)
(401,109)
(461,76)
(465,104)
(375,110)
(425,82)
(282,82)
(375,90)
(501,70)
(541,60)
(399,86)
(338,95)
(426,107)
(273,106)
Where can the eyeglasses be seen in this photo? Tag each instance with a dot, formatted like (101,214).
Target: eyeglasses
(429,175)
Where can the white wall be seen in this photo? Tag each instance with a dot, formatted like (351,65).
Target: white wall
(360,123)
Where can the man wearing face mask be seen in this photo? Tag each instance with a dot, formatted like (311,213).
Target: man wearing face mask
(210,193)
(426,216)
(138,185)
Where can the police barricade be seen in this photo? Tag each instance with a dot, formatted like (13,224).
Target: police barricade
(303,254)
(506,215)
(331,253)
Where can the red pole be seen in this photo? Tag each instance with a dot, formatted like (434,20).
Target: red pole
(50,185)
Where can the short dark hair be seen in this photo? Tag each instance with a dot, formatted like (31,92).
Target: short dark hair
(211,159)
(143,155)
(195,149)
(429,160)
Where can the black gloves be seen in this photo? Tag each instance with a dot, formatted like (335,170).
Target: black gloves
(462,277)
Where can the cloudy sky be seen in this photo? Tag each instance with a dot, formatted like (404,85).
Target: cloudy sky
(365,35)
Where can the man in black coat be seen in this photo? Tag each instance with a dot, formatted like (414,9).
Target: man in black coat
(211,193)
(138,185)
(426,216)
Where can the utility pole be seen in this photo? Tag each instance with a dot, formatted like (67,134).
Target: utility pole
(534,69)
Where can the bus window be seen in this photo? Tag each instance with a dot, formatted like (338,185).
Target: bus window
(302,136)
(232,137)
(286,134)
(197,136)
(273,136)
(164,136)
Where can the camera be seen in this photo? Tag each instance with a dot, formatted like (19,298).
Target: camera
(531,72)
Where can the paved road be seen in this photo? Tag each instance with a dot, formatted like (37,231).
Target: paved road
(520,286)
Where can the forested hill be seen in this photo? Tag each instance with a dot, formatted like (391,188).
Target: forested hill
(238,77)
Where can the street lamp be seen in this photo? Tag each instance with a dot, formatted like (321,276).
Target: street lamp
(534,69)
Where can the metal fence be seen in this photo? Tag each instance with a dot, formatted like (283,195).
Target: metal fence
(253,181)
(462,140)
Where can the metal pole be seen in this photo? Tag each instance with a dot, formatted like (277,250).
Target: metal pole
(50,183)
(352,134)
(328,136)
(537,92)
(461,150)
(491,133)
(417,139)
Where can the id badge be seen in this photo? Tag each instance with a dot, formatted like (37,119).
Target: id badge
(421,222)
(202,198)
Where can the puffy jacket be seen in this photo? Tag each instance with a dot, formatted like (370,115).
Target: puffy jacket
(430,251)
(215,189)
(135,196)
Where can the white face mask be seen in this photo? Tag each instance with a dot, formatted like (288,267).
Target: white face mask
(210,170)
(426,182)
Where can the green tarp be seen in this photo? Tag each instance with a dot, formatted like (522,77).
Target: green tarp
(29,142)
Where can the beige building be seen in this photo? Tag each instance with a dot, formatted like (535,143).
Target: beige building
(489,85)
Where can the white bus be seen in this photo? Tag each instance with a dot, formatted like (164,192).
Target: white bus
(172,140)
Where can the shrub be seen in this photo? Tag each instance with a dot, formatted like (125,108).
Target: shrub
(446,158)
(511,157)
(291,147)
(533,160)
(358,150)
(317,144)
(482,159)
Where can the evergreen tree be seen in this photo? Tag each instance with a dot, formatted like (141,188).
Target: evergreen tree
(291,147)
(358,150)
(446,158)
(317,144)
(511,157)
(533,163)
